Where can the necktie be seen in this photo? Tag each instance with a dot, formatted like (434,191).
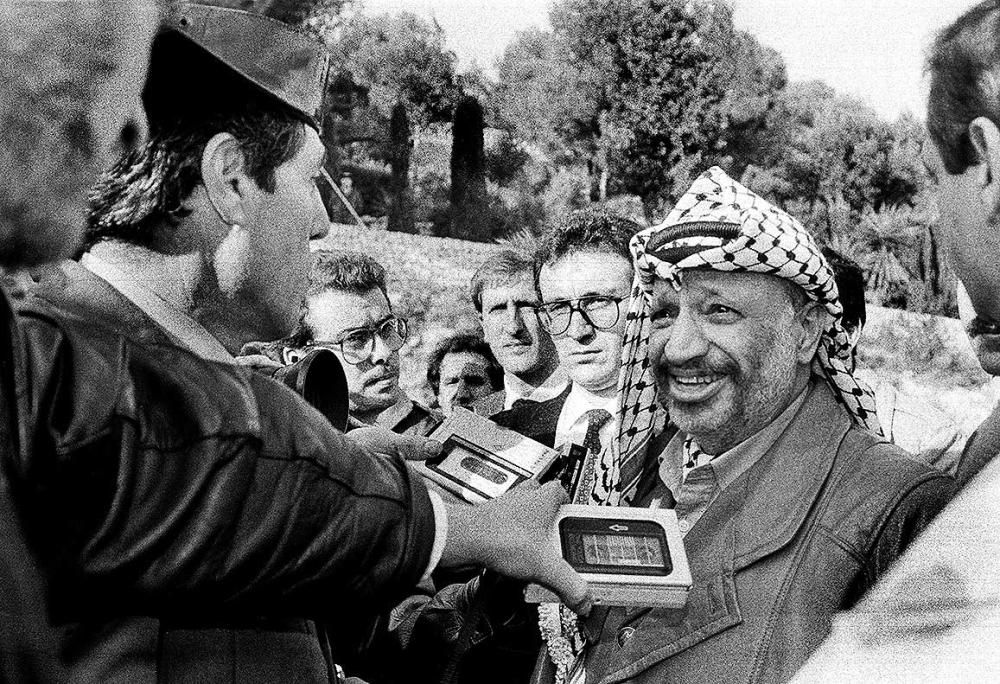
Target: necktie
(596,419)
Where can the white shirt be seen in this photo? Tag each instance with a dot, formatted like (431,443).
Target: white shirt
(572,426)
(515,388)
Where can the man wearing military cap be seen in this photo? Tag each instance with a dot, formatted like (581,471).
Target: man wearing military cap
(147,482)
(790,503)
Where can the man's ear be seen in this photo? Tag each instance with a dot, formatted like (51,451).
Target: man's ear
(814,321)
(224,177)
(985,139)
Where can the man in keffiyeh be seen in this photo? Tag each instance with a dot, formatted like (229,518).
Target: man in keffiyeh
(790,502)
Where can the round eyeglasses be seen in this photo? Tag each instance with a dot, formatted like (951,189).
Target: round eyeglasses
(356,345)
(601,313)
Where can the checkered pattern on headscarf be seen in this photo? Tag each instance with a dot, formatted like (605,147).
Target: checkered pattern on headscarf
(759,238)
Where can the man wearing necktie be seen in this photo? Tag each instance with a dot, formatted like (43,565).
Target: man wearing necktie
(790,502)
(583,281)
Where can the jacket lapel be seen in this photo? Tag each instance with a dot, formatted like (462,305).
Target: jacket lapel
(536,420)
(755,516)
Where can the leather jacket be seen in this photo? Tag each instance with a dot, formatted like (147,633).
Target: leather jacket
(153,483)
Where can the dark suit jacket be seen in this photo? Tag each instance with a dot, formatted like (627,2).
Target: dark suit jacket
(799,536)
(536,420)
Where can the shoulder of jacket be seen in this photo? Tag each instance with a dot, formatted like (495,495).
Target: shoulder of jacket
(874,480)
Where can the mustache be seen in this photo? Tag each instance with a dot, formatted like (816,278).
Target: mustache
(699,367)
(980,326)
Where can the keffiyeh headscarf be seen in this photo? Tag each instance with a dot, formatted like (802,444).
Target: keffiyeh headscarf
(717,224)
(720,224)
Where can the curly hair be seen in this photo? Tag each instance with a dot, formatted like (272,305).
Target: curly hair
(463,343)
(190,97)
(964,69)
(343,271)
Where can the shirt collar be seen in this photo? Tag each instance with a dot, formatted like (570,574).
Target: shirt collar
(182,329)
(515,388)
(394,415)
(730,464)
(578,402)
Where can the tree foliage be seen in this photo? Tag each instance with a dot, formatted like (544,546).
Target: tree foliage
(651,90)
(401,58)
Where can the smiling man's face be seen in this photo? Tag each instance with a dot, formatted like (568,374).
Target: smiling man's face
(373,384)
(725,354)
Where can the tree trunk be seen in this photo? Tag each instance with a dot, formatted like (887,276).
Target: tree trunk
(400,195)
(468,173)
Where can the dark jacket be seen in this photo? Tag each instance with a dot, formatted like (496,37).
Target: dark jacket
(28,645)
(408,417)
(174,492)
(491,404)
(537,420)
(801,535)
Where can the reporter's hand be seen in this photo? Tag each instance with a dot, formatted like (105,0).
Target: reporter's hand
(512,535)
(379,440)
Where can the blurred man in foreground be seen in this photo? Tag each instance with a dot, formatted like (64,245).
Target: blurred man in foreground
(505,297)
(789,506)
(936,617)
(348,311)
(145,481)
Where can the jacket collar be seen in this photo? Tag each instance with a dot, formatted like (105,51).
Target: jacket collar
(757,515)
(79,292)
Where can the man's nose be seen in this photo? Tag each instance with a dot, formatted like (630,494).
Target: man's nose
(512,321)
(380,351)
(580,328)
(686,342)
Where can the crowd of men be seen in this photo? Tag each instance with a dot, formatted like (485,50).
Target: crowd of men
(168,514)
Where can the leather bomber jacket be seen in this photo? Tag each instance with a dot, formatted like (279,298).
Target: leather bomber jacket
(151,482)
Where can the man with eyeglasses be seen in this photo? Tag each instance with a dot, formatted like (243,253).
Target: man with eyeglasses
(185,518)
(348,311)
(583,283)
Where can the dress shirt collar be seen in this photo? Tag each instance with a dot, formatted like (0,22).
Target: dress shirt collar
(730,464)
(578,402)
(515,388)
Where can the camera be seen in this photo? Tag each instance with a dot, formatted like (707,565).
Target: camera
(318,378)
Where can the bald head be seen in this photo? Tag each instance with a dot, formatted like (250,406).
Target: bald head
(73,73)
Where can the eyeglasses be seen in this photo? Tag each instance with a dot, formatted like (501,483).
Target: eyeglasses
(601,313)
(356,345)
